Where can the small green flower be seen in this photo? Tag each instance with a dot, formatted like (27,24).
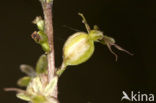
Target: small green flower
(38,88)
(29,71)
(40,37)
(41,67)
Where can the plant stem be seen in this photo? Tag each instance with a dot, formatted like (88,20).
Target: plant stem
(47,10)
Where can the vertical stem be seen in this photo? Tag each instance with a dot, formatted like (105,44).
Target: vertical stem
(47,10)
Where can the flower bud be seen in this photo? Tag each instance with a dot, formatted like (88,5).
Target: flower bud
(78,49)
(42,39)
(39,22)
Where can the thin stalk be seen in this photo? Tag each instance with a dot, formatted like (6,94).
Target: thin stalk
(47,10)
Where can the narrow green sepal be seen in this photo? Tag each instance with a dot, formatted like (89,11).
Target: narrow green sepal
(23,96)
(27,69)
(24,81)
(50,88)
(38,99)
(42,64)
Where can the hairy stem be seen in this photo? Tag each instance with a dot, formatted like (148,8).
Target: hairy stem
(47,10)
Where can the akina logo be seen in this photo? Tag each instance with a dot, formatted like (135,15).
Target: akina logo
(137,96)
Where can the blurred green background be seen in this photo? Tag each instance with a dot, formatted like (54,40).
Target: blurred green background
(100,80)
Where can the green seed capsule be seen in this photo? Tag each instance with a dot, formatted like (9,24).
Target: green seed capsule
(78,49)
(80,46)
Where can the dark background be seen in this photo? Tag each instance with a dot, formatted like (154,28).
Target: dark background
(99,80)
